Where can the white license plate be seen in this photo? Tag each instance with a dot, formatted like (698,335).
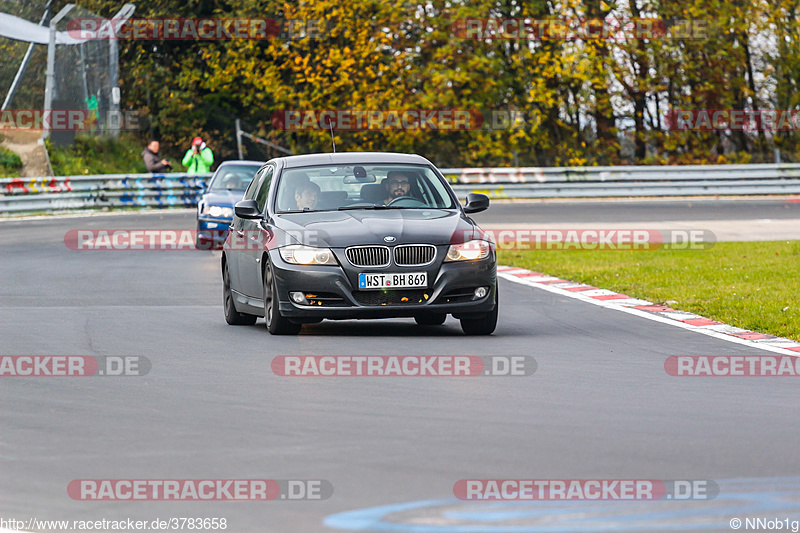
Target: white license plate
(404,280)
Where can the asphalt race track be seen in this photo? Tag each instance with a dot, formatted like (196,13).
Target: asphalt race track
(599,406)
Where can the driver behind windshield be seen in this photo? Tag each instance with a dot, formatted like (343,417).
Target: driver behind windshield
(397,184)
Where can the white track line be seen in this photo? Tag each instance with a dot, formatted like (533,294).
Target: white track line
(718,331)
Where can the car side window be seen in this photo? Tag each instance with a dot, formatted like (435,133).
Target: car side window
(263,189)
(250,193)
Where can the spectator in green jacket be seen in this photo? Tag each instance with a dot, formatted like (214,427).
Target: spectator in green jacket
(198,158)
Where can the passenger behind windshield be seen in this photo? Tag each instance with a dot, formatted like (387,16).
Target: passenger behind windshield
(306,196)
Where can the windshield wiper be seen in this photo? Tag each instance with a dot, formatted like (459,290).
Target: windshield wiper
(373,206)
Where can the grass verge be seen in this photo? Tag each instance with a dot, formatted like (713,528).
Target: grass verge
(93,155)
(751,285)
(10,163)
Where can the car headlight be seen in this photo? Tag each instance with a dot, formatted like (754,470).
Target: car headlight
(218,211)
(307,255)
(468,251)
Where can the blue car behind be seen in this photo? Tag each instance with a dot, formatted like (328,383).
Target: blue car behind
(215,209)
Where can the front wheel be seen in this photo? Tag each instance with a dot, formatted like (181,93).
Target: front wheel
(276,324)
(232,316)
(485,325)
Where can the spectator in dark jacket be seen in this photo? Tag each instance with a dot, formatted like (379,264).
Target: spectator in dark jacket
(150,156)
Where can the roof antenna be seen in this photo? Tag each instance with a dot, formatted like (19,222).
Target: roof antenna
(333,139)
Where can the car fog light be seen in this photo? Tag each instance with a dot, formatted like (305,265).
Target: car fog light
(298,298)
(480,292)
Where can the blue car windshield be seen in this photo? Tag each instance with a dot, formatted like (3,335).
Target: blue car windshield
(365,186)
(233,177)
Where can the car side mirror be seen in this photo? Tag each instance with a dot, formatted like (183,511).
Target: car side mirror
(476,203)
(247,209)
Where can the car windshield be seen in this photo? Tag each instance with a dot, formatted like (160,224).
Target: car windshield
(234,177)
(365,186)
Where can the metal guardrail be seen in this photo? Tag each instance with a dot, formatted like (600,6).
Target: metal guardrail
(598,182)
(111,191)
(19,195)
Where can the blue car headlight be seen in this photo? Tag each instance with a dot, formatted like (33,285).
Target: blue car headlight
(217,211)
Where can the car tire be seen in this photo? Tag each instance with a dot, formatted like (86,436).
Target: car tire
(485,325)
(431,319)
(276,323)
(232,316)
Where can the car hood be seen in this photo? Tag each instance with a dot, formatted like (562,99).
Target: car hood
(223,197)
(339,229)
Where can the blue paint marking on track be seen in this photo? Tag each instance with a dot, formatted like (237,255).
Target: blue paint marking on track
(738,498)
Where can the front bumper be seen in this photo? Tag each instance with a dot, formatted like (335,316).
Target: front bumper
(213,230)
(450,287)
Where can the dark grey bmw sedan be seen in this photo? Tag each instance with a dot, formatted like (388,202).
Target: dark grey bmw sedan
(357,235)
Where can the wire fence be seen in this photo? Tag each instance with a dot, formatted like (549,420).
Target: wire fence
(30,90)
(84,71)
